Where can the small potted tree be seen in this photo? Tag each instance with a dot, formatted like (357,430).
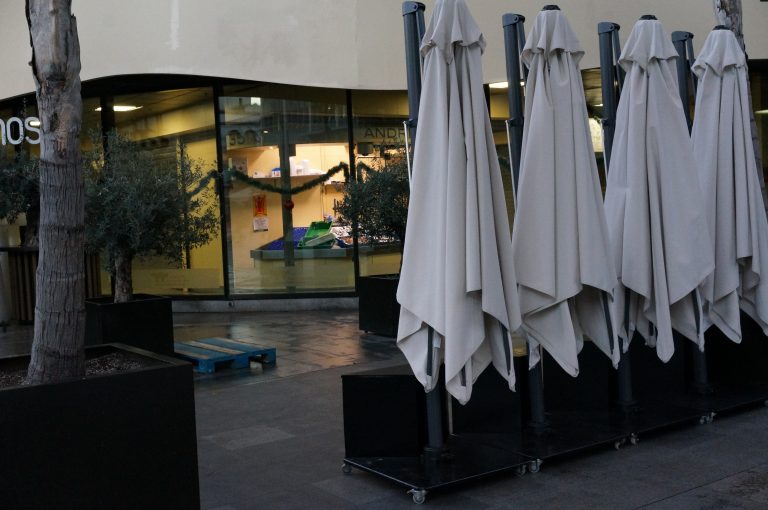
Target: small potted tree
(377,205)
(124,434)
(20,196)
(137,206)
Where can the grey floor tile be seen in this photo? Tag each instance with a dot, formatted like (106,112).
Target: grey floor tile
(705,499)
(246,437)
(751,485)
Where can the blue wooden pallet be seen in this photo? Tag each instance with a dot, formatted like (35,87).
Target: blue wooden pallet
(209,353)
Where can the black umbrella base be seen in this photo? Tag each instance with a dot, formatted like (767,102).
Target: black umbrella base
(718,399)
(572,433)
(468,457)
(385,422)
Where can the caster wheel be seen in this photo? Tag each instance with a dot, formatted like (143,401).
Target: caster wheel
(618,444)
(346,469)
(633,439)
(520,470)
(534,466)
(765,403)
(419,496)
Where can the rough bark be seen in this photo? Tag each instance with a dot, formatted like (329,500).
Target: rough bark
(123,279)
(57,350)
(729,14)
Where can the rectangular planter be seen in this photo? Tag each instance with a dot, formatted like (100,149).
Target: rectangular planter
(124,440)
(146,322)
(384,413)
(379,311)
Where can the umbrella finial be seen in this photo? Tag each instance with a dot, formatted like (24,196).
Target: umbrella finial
(648,16)
(411,7)
(721,27)
(550,8)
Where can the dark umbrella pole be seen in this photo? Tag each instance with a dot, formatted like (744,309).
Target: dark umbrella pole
(514,40)
(413,28)
(413,25)
(612,81)
(608,34)
(514,33)
(686,83)
(683,42)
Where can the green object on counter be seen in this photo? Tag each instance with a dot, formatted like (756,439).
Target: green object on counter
(318,235)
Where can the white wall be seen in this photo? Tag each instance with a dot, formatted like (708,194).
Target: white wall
(355,44)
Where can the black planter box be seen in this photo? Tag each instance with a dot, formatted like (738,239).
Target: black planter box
(124,440)
(384,413)
(146,322)
(378,307)
(730,363)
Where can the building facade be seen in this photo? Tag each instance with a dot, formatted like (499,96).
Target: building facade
(284,91)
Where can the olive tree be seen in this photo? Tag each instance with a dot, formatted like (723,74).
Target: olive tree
(377,202)
(141,206)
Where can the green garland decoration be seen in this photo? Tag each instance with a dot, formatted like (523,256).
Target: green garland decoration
(363,167)
(256,183)
(204,182)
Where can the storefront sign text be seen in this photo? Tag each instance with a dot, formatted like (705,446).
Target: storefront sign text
(15,131)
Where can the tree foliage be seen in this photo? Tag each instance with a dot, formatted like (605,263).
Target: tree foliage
(20,192)
(378,202)
(138,206)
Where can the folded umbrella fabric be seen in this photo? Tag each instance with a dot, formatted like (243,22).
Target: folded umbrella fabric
(560,237)
(457,291)
(725,161)
(653,202)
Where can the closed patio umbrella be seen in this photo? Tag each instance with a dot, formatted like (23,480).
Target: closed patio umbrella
(725,160)
(560,240)
(653,202)
(457,290)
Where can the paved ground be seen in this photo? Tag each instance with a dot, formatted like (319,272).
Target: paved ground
(273,438)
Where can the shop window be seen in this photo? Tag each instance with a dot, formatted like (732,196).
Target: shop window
(379,137)
(9,234)
(285,138)
(758,80)
(166,123)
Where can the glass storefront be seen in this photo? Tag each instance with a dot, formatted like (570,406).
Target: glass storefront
(166,124)
(379,134)
(759,85)
(499,111)
(285,139)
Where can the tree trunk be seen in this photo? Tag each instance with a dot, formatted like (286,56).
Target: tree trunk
(57,350)
(123,279)
(729,14)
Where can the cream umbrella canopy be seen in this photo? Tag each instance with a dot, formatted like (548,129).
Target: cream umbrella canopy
(734,203)
(653,201)
(560,239)
(457,291)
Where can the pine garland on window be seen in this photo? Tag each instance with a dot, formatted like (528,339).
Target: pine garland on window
(258,183)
